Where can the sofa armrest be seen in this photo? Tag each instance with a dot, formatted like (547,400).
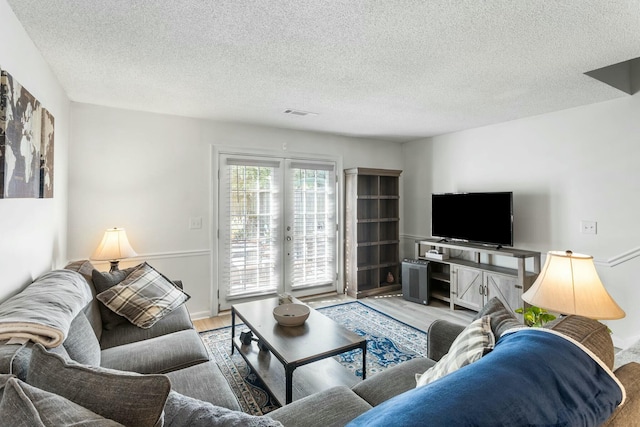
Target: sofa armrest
(441,335)
(335,406)
(627,414)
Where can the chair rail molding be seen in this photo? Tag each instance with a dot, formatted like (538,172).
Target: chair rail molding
(619,259)
(162,255)
(175,254)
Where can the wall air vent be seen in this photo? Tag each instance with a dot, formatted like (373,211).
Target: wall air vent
(299,112)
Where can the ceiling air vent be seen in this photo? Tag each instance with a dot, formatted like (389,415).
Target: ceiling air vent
(299,112)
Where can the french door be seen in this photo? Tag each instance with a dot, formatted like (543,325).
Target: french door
(277,227)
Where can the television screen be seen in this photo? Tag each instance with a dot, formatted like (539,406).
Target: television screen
(473,217)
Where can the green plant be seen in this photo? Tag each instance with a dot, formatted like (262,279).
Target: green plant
(535,316)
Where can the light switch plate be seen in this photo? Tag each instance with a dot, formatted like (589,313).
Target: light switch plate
(588,227)
(195,222)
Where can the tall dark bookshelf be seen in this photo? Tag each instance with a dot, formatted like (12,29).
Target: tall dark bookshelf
(372,231)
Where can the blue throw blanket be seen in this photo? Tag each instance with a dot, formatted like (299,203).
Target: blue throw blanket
(533,377)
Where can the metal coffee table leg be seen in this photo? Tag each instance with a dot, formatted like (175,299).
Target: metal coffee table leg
(233,328)
(288,373)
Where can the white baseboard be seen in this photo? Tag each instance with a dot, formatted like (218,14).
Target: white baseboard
(624,343)
(200,315)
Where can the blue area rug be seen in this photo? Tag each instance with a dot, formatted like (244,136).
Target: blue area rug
(389,342)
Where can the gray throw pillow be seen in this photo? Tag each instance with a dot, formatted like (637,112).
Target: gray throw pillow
(502,319)
(128,398)
(182,410)
(25,406)
(144,296)
(106,280)
(474,341)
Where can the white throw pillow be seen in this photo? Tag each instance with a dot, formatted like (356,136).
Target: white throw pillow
(474,341)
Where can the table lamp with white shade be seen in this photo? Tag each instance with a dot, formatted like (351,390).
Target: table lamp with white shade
(114,247)
(569,284)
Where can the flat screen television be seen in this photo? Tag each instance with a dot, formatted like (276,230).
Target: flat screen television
(485,218)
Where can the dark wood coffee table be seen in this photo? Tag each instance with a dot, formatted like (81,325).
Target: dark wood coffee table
(317,340)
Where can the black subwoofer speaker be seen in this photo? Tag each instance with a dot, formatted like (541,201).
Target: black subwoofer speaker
(415,280)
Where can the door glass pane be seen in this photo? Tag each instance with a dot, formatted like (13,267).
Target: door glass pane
(313,253)
(250,226)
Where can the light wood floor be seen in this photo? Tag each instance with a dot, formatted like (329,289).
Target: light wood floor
(416,315)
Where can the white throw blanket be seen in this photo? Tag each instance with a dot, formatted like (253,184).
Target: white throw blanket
(43,312)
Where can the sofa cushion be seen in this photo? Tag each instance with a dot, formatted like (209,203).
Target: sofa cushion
(592,334)
(3,380)
(125,397)
(92,311)
(627,414)
(474,342)
(15,358)
(391,382)
(82,344)
(333,407)
(103,281)
(144,296)
(206,382)
(157,355)
(177,320)
(25,406)
(182,410)
(502,319)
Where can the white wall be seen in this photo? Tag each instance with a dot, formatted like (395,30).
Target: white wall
(563,167)
(33,231)
(150,173)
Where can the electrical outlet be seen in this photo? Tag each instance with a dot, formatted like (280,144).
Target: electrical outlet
(588,227)
(195,222)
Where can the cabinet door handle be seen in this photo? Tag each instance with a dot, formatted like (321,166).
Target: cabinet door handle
(486,290)
(480,289)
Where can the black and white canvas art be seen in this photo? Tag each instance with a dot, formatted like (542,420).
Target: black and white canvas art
(26,143)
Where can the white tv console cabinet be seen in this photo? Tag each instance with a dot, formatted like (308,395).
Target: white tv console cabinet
(463,280)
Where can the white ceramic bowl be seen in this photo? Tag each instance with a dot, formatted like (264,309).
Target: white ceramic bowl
(291,314)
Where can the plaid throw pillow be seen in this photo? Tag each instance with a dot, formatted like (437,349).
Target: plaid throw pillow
(474,341)
(144,297)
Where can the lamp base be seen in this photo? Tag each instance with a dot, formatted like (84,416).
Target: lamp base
(114,266)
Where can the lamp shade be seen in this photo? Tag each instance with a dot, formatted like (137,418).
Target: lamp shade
(114,246)
(569,284)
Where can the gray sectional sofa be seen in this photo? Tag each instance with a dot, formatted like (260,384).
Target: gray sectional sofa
(97,339)
(98,365)
(384,399)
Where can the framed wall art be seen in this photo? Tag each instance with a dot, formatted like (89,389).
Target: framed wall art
(26,143)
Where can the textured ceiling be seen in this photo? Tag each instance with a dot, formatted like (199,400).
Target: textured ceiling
(396,70)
